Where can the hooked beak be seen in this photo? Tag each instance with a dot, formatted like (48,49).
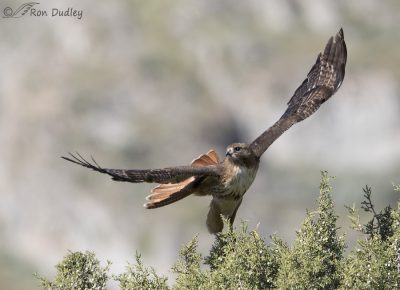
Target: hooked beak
(229,152)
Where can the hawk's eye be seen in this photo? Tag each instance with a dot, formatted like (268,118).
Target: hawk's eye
(237,148)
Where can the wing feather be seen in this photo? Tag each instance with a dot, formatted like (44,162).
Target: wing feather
(189,189)
(323,80)
(210,158)
(164,194)
(164,175)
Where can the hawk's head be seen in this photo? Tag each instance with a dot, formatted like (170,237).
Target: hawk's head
(241,154)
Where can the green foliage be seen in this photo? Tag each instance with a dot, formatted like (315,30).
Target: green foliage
(78,271)
(315,258)
(188,268)
(140,277)
(375,263)
(237,259)
(372,266)
(381,222)
(240,259)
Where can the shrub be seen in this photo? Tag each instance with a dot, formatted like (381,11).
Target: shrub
(140,277)
(240,259)
(315,260)
(78,271)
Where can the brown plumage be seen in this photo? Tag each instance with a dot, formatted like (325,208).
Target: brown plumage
(323,80)
(228,180)
(164,194)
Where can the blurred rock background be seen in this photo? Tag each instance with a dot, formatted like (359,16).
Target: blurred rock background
(156,83)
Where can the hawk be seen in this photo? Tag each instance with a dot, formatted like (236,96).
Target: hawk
(228,180)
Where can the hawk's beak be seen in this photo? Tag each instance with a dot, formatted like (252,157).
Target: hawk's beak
(229,152)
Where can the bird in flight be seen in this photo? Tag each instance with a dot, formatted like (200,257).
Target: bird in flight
(228,180)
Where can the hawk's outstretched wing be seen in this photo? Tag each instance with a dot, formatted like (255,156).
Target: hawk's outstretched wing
(323,80)
(165,175)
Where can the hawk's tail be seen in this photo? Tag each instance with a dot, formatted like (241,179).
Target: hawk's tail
(165,194)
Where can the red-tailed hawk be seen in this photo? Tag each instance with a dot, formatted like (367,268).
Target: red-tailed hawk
(228,180)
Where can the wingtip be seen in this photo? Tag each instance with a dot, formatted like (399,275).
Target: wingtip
(68,158)
(148,205)
(340,34)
